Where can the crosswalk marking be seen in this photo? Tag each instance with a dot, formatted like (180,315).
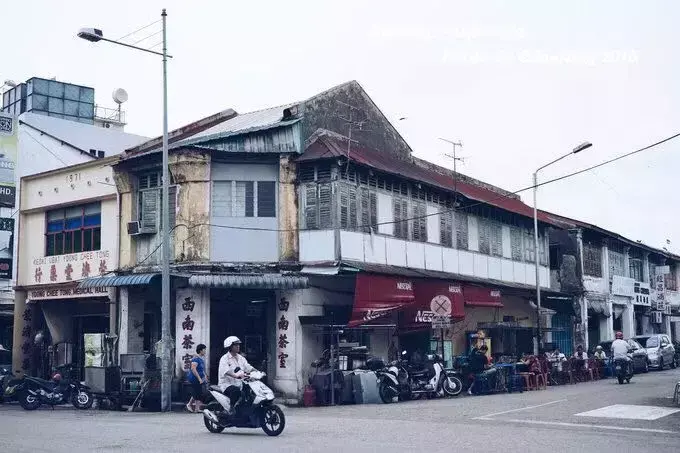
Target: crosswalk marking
(631,412)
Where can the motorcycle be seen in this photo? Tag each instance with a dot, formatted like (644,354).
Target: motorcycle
(32,392)
(430,380)
(623,369)
(256,408)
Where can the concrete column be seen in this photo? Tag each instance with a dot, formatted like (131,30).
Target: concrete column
(606,270)
(288,209)
(645,269)
(667,325)
(581,334)
(192,326)
(123,316)
(626,261)
(628,321)
(20,336)
(288,349)
(607,325)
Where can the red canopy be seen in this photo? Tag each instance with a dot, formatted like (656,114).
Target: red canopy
(377,295)
(433,295)
(479,296)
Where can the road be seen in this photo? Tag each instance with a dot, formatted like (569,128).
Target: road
(531,422)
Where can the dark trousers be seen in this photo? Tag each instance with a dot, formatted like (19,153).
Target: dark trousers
(234,394)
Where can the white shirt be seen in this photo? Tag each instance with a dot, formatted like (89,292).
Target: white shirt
(229,363)
(620,349)
(582,356)
(558,359)
(600,355)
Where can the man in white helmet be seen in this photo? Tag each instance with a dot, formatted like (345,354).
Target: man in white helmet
(233,367)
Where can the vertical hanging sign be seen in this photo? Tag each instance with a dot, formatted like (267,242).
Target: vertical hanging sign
(8,159)
(283,324)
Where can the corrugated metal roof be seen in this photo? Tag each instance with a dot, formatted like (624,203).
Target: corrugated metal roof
(117,280)
(240,281)
(242,124)
(326,148)
(83,136)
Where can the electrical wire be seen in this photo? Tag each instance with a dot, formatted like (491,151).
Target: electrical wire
(46,148)
(391,222)
(139,29)
(144,39)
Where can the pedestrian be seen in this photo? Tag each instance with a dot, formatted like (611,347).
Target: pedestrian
(197,378)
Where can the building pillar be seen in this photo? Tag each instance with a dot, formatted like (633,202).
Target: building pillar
(607,325)
(626,261)
(606,270)
(288,348)
(192,326)
(645,269)
(581,330)
(22,318)
(667,325)
(124,317)
(628,321)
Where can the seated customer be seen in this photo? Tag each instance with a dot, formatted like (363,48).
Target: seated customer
(480,365)
(581,358)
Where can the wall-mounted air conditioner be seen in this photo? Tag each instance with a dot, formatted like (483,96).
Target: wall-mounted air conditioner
(135,229)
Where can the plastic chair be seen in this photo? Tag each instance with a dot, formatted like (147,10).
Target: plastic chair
(529,381)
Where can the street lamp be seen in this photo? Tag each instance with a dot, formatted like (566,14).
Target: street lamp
(96,35)
(578,149)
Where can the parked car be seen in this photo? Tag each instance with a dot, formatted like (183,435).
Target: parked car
(638,353)
(660,350)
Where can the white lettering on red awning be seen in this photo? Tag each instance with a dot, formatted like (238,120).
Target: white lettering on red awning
(405,286)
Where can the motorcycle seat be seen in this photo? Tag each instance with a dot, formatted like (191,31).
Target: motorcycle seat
(215,388)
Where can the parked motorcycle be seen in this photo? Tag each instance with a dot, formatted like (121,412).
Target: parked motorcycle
(623,370)
(415,380)
(32,392)
(256,408)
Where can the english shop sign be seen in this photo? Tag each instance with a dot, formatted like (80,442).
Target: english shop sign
(66,293)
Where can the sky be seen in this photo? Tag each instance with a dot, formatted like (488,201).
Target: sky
(519,83)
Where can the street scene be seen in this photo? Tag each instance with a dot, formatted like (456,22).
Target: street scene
(340,225)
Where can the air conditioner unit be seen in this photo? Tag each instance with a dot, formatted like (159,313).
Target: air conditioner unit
(657,317)
(135,229)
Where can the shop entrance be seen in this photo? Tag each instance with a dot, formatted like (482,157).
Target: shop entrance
(245,314)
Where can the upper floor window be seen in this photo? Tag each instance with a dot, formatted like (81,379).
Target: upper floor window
(73,230)
(462,239)
(244,199)
(149,201)
(318,202)
(671,280)
(516,248)
(490,237)
(592,259)
(617,259)
(636,264)
(419,220)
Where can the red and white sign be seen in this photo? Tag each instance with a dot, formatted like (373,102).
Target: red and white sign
(50,270)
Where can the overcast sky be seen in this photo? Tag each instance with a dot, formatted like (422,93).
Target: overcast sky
(518,82)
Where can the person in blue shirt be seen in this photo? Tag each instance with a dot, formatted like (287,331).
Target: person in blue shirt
(197,378)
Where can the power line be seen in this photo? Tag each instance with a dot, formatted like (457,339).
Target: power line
(391,222)
(46,148)
(138,30)
(144,39)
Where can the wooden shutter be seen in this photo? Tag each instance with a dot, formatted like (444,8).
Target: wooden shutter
(484,236)
(516,243)
(373,200)
(446,229)
(311,207)
(148,218)
(221,199)
(325,206)
(172,198)
(461,230)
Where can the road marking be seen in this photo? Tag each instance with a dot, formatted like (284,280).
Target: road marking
(630,412)
(489,416)
(580,425)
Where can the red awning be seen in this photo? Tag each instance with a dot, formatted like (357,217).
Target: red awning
(377,295)
(432,295)
(479,296)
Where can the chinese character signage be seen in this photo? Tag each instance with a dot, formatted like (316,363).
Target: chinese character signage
(70,268)
(8,158)
(285,333)
(192,326)
(660,292)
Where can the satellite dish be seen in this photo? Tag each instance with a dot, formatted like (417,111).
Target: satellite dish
(119,95)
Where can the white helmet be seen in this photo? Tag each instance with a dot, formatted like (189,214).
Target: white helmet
(231,340)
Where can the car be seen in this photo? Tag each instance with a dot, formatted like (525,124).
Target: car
(638,353)
(660,350)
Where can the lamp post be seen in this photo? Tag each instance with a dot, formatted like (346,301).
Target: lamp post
(539,334)
(96,35)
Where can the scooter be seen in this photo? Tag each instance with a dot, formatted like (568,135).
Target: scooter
(623,369)
(256,408)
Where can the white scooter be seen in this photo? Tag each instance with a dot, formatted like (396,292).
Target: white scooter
(256,408)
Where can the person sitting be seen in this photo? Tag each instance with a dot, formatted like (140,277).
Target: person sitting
(480,366)
(600,360)
(580,361)
(557,360)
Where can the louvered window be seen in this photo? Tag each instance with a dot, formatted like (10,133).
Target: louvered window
(516,243)
(400,215)
(419,220)
(244,199)
(318,206)
(484,236)
(150,205)
(368,210)
(446,229)
(496,238)
(461,220)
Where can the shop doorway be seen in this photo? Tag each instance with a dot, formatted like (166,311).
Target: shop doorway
(247,315)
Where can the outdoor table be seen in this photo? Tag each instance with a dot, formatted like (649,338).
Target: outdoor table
(503,372)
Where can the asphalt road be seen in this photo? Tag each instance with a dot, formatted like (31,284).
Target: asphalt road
(531,422)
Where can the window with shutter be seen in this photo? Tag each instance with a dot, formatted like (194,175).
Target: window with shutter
(516,243)
(419,221)
(461,220)
(266,199)
(373,211)
(344,206)
(148,218)
(484,236)
(311,207)
(592,259)
(400,214)
(446,229)
(496,238)
(325,206)
(529,246)
(221,199)
(365,210)
(172,192)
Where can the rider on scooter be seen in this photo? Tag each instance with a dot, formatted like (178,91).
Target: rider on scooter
(233,368)
(620,349)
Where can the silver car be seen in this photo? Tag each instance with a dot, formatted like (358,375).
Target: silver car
(660,350)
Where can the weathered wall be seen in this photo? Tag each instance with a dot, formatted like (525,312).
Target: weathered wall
(288,206)
(327,109)
(127,250)
(191,172)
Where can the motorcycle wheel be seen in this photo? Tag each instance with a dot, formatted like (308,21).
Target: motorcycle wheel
(212,426)
(385,393)
(452,386)
(627,380)
(29,402)
(273,420)
(620,379)
(82,400)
